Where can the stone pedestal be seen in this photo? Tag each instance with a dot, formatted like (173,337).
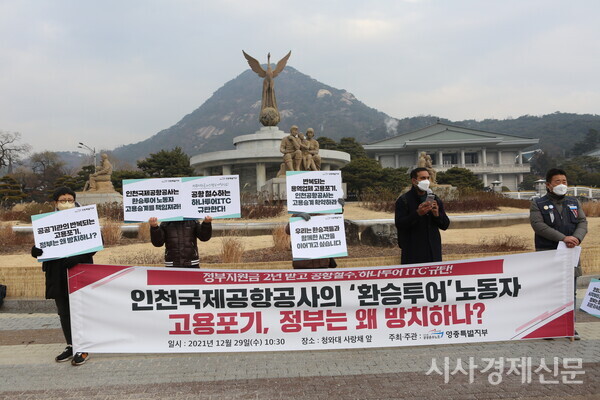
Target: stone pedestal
(87,198)
(445,192)
(274,189)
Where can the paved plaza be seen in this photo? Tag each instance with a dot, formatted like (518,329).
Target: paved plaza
(532,369)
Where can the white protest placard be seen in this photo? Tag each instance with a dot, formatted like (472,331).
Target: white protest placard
(314,191)
(217,196)
(67,233)
(157,197)
(591,301)
(323,236)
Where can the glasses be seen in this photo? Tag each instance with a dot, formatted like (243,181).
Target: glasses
(66,201)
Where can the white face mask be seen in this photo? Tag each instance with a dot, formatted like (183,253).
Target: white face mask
(423,185)
(560,190)
(64,206)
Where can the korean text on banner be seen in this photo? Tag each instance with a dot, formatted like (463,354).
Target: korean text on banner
(217,196)
(323,236)
(314,191)
(67,233)
(158,197)
(138,309)
(591,300)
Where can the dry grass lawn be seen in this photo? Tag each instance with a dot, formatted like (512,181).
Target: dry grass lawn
(112,254)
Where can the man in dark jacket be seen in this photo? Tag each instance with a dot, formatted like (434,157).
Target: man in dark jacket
(419,221)
(556,218)
(56,279)
(179,238)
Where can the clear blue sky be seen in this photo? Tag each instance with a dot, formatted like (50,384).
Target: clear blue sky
(110,72)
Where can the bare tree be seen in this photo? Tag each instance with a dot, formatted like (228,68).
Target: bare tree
(10,149)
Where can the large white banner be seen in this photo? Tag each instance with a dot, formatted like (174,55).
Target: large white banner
(322,236)
(139,309)
(217,196)
(67,233)
(157,197)
(314,191)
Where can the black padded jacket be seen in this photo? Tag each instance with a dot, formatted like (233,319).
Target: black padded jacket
(180,240)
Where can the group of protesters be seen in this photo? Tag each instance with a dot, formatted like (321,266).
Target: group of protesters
(419,216)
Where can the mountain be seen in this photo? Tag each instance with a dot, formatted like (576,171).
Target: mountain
(303,101)
(233,111)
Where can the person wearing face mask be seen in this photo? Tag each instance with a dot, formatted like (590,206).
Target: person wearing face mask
(557,217)
(56,279)
(419,219)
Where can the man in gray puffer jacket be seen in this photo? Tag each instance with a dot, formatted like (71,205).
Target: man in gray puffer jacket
(180,240)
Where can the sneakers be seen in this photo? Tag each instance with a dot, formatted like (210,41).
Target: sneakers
(576,336)
(65,355)
(80,358)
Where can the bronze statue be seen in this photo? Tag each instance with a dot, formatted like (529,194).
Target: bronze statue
(291,148)
(426,162)
(100,180)
(269,114)
(310,152)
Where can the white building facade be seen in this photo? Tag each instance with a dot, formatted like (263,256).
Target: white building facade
(493,157)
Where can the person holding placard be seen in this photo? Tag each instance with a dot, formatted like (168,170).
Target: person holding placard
(180,240)
(310,263)
(315,262)
(56,279)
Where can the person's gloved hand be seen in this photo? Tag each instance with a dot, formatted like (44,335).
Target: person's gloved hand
(341,202)
(304,216)
(35,252)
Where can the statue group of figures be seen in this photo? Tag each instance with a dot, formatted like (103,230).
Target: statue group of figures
(300,152)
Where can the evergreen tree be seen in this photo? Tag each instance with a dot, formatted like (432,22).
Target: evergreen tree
(352,147)
(591,141)
(166,164)
(459,177)
(10,191)
(327,143)
(117,177)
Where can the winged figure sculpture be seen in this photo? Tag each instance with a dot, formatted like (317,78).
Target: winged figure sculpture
(268,93)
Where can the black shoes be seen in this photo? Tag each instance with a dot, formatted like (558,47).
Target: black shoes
(80,358)
(65,355)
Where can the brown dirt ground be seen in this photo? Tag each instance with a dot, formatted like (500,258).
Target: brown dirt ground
(258,248)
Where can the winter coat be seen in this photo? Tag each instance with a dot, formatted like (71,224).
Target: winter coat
(179,238)
(56,272)
(419,236)
(553,218)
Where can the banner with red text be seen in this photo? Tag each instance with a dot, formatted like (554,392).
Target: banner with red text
(127,309)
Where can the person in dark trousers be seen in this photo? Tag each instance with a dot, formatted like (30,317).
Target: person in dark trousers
(419,220)
(56,280)
(556,217)
(180,240)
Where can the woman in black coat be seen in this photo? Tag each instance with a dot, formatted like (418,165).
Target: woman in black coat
(56,280)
